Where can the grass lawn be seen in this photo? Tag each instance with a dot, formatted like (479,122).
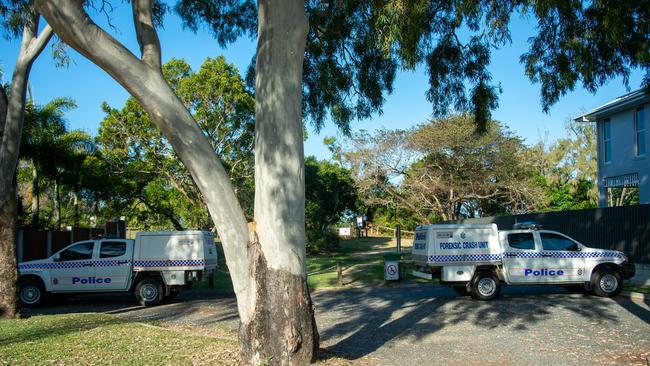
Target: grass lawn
(97,339)
(362,261)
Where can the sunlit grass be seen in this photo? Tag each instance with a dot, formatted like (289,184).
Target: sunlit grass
(97,339)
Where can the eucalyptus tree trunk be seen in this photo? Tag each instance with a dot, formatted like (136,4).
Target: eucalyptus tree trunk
(283,329)
(266,259)
(31,46)
(36,205)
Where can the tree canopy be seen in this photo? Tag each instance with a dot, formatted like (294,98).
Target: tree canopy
(355,47)
(444,170)
(154,183)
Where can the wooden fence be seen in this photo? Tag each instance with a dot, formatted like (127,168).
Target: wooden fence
(39,244)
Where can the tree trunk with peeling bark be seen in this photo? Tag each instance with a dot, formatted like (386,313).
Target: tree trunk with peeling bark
(267,260)
(283,326)
(12,126)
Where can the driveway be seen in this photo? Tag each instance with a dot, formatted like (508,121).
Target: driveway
(420,325)
(431,325)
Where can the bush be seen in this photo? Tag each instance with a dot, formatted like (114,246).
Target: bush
(319,241)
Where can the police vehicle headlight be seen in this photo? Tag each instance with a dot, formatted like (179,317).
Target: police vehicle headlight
(624,257)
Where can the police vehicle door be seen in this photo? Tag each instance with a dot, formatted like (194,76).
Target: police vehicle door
(561,258)
(113,264)
(521,258)
(72,268)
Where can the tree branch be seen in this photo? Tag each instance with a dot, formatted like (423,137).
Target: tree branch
(37,45)
(13,118)
(146,32)
(3,110)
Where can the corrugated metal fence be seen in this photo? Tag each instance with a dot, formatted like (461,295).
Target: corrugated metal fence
(625,228)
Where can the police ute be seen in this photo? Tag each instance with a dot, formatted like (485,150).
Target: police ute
(154,266)
(478,259)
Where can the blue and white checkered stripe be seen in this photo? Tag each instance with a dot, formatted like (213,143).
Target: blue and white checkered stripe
(74,264)
(551,254)
(497,257)
(466,258)
(169,263)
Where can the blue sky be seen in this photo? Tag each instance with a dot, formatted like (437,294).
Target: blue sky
(519,104)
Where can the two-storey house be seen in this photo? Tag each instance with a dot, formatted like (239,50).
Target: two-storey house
(623,143)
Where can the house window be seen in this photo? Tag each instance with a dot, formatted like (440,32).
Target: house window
(607,141)
(639,131)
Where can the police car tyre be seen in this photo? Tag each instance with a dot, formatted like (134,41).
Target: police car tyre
(461,290)
(149,292)
(607,283)
(31,293)
(485,286)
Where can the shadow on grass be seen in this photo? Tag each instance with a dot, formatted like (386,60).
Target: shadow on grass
(206,307)
(50,329)
(371,317)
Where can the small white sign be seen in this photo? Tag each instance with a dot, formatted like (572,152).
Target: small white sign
(345,231)
(391,270)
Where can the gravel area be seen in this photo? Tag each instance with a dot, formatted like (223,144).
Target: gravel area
(407,324)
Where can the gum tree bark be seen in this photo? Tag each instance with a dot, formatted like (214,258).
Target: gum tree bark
(268,269)
(11,122)
(283,320)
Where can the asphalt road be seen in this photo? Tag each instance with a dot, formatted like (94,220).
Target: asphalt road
(431,325)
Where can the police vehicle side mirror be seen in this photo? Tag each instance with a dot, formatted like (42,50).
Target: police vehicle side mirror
(56,258)
(575,248)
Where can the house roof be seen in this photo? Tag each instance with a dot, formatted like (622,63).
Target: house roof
(623,102)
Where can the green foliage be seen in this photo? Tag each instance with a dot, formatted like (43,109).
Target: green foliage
(330,194)
(567,169)
(442,170)
(355,47)
(155,189)
(226,19)
(588,42)
(57,159)
(12,17)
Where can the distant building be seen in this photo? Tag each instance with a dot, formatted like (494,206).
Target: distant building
(623,143)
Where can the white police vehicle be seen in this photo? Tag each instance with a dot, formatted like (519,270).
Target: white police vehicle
(477,259)
(155,265)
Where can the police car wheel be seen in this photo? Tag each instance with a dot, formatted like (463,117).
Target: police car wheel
(485,286)
(149,292)
(607,283)
(31,294)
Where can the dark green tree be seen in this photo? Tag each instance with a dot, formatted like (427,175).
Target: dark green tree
(42,144)
(154,187)
(330,193)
